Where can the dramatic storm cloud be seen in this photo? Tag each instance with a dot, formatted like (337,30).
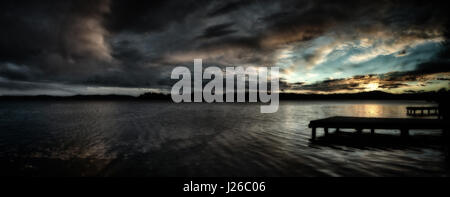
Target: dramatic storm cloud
(129,47)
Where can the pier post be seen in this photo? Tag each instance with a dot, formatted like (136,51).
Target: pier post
(358,130)
(372,131)
(337,130)
(404,132)
(325,129)
(313,133)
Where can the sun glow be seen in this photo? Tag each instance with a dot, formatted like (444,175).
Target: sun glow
(372,86)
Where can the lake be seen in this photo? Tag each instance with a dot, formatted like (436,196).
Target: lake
(140,138)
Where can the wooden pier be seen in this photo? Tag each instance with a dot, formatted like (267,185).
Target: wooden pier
(422,111)
(360,123)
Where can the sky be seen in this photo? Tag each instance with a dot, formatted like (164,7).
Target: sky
(59,47)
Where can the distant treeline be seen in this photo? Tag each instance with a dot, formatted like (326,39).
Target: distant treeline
(439,96)
(373,95)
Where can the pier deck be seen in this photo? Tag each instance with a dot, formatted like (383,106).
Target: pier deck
(360,123)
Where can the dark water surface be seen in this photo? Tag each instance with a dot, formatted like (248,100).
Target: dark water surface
(125,138)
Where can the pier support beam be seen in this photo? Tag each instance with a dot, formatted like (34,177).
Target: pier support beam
(358,130)
(372,131)
(313,133)
(325,130)
(404,132)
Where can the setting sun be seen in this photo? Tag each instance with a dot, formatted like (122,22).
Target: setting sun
(372,86)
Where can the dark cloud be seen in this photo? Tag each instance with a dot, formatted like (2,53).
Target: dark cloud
(229,7)
(331,86)
(392,85)
(218,30)
(148,16)
(436,66)
(53,38)
(136,43)
(29,28)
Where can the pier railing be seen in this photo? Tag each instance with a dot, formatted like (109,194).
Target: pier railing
(422,111)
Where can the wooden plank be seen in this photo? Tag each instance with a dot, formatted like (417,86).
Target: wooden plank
(421,108)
